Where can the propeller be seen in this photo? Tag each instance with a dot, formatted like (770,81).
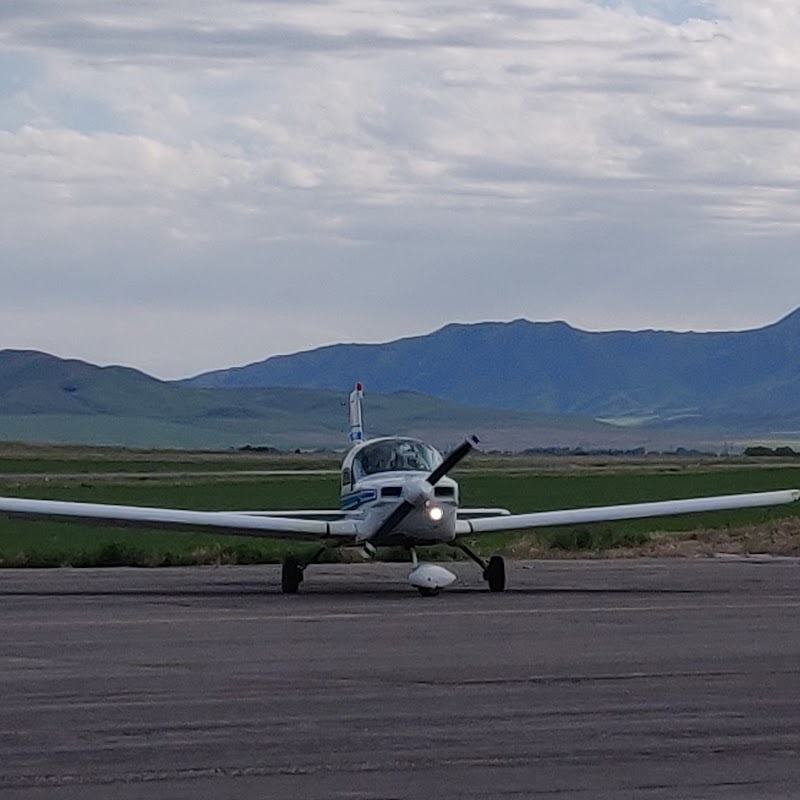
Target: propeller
(405,507)
(452,459)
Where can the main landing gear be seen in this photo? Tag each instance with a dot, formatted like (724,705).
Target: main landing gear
(428,579)
(292,571)
(494,572)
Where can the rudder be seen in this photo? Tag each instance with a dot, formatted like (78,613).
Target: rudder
(356,425)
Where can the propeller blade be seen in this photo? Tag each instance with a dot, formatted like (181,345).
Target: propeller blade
(393,520)
(452,459)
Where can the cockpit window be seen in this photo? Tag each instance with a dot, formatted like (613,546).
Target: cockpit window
(395,455)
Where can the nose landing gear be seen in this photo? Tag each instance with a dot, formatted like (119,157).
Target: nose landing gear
(428,579)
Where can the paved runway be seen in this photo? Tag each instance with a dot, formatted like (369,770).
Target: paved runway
(636,679)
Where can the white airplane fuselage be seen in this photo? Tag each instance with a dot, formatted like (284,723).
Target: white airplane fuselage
(380,474)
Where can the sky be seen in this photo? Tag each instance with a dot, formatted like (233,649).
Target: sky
(197,185)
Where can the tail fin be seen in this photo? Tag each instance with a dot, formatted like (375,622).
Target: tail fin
(356,427)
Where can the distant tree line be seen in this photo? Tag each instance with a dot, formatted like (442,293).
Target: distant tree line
(760,451)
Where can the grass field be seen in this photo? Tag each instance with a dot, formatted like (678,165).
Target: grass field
(226,481)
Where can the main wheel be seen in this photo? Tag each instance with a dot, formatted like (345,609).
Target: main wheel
(291,575)
(495,574)
(426,591)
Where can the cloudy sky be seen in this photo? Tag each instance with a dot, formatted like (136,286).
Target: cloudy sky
(195,185)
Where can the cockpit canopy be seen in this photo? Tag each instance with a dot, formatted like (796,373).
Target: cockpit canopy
(390,455)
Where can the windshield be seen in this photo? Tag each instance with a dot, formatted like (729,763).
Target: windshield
(392,455)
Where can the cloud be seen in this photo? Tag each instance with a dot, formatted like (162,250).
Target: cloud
(359,171)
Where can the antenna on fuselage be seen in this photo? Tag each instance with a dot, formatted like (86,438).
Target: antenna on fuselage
(356,426)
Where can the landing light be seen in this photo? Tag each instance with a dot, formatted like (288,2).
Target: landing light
(436,513)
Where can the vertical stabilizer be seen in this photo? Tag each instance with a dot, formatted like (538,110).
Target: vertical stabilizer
(356,426)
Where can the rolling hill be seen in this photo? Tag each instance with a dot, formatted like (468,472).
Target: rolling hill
(47,399)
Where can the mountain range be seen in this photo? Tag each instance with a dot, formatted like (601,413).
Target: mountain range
(652,377)
(528,384)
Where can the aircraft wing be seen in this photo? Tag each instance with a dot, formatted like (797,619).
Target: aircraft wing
(579,516)
(232,523)
(481,513)
(328,515)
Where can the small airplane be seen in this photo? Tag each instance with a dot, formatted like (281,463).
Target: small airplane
(395,491)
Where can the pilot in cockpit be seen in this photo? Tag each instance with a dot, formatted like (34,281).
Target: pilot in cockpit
(405,456)
(406,461)
(364,464)
(372,460)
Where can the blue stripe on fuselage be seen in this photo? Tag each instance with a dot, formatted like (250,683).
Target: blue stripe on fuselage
(354,500)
